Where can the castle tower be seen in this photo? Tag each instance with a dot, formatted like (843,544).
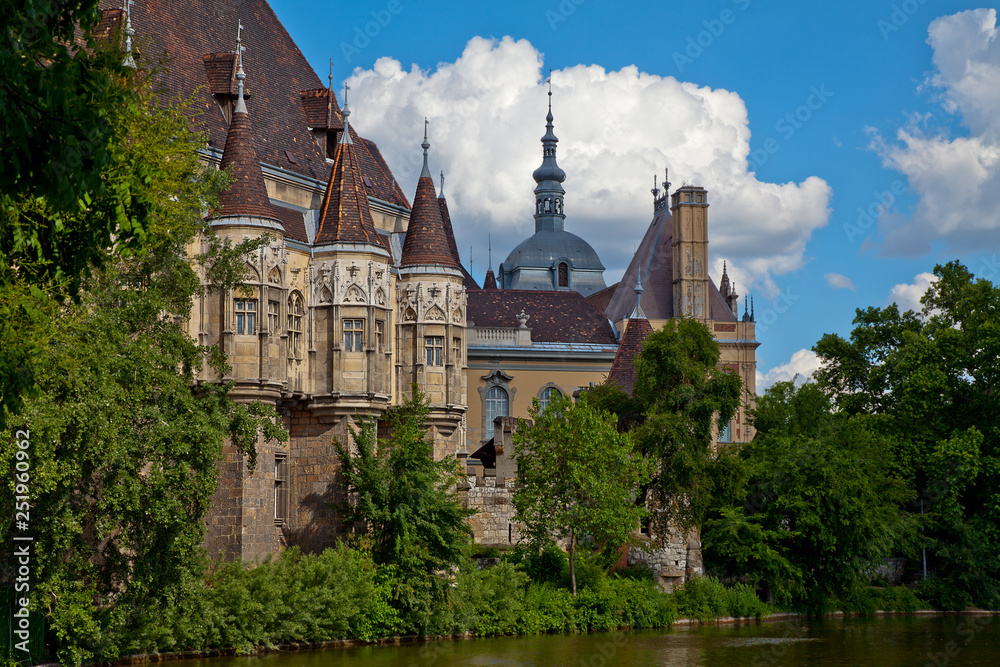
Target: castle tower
(552,258)
(350,296)
(431,314)
(689,212)
(248,325)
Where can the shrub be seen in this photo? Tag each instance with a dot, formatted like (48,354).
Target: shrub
(703,598)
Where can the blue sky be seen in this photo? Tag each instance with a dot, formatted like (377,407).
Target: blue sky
(789,112)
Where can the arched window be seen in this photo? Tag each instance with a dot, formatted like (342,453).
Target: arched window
(496,406)
(547,393)
(563,274)
(295,314)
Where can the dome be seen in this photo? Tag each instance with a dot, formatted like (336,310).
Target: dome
(543,248)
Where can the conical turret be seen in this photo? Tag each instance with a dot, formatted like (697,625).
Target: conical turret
(426,239)
(245,203)
(346,216)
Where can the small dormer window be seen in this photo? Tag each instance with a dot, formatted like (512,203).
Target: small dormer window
(563,274)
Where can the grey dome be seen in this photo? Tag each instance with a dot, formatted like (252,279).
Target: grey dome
(543,248)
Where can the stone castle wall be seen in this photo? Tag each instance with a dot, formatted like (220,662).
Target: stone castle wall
(494,524)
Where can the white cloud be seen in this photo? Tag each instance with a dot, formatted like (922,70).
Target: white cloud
(801,367)
(839,281)
(907,295)
(616,129)
(957,180)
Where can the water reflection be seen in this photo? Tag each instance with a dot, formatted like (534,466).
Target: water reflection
(882,642)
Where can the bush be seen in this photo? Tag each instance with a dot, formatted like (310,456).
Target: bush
(333,595)
(744,603)
(943,594)
(703,598)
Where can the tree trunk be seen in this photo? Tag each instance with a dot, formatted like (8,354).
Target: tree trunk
(572,561)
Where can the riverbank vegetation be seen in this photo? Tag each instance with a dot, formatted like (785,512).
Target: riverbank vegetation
(893,450)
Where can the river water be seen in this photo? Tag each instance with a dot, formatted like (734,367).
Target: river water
(912,641)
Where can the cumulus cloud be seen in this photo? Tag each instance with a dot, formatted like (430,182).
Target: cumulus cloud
(907,296)
(616,128)
(800,367)
(957,180)
(838,281)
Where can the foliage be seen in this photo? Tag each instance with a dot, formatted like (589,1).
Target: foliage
(576,475)
(866,600)
(313,597)
(819,508)
(405,501)
(124,440)
(705,598)
(928,384)
(679,398)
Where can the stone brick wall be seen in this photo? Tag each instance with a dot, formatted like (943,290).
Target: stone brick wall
(493,524)
(224,523)
(315,480)
(676,562)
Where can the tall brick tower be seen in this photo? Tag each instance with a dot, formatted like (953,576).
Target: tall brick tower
(689,211)
(431,316)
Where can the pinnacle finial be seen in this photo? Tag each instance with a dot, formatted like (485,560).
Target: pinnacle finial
(489,249)
(345,137)
(129,33)
(549,116)
(637,312)
(753,318)
(426,171)
(241,106)
(442,185)
(329,78)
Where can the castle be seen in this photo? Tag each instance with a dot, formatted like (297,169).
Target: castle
(360,293)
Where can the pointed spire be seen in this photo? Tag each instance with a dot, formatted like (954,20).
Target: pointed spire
(346,216)
(345,137)
(241,106)
(426,171)
(449,233)
(549,192)
(427,240)
(129,33)
(247,194)
(637,314)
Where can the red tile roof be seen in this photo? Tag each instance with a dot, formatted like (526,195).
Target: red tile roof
(490,282)
(293,221)
(602,299)
(556,317)
(623,368)
(426,241)
(186,30)
(345,215)
(320,110)
(374,167)
(470,282)
(247,195)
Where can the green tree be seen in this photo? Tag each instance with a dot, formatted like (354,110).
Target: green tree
(819,507)
(406,505)
(577,476)
(680,397)
(124,438)
(928,383)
